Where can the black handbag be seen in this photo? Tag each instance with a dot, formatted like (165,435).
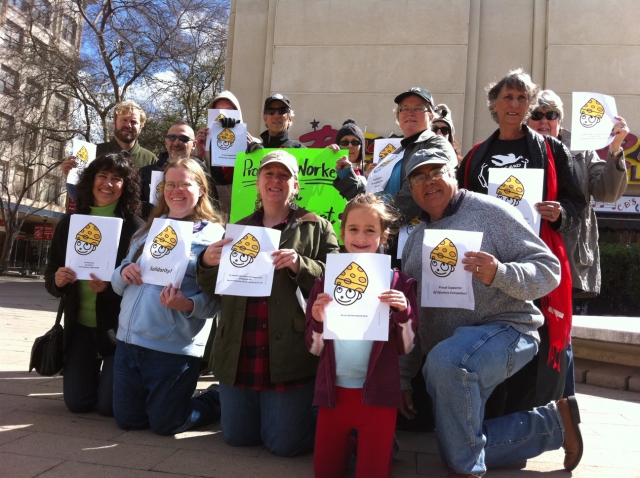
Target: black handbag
(47,353)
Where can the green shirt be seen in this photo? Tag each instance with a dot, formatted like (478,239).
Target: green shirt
(141,157)
(87,312)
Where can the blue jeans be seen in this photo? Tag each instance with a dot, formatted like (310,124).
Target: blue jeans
(570,382)
(282,421)
(461,372)
(87,380)
(153,389)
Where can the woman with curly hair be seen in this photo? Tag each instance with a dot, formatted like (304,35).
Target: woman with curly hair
(110,187)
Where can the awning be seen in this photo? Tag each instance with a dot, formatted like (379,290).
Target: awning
(618,221)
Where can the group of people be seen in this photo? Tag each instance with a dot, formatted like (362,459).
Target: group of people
(495,381)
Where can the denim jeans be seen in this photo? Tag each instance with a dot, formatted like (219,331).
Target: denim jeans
(461,372)
(153,389)
(282,421)
(87,380)
(570,382)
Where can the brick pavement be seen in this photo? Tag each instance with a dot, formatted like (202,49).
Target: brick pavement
(39,437)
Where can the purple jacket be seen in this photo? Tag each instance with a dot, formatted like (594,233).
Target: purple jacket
(382,385)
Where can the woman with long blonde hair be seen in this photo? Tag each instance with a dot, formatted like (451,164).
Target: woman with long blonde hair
(163,330)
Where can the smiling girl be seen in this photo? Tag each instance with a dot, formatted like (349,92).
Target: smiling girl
(358,381)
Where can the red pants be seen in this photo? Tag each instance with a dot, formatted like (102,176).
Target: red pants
(375,426)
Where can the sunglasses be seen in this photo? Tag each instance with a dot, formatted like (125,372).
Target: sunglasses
(182,137)
(445,129)
(345,143)
(550,115)
(283,110)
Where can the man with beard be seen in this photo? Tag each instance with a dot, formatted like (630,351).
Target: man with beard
(128,121)
(179,141)
(278,116)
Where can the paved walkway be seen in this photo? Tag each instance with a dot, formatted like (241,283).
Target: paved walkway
(39,437)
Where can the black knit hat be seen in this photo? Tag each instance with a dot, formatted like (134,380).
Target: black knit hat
(350,127)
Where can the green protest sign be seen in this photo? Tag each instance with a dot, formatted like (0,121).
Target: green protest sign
(317,170)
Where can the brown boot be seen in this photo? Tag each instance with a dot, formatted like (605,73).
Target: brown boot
(573,446)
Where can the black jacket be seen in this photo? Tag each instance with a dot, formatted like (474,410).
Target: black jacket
(570,196)
(107,302)
(280,141)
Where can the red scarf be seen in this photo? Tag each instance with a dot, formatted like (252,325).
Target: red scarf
(556,306)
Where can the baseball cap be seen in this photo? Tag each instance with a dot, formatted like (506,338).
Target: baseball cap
(276,97)
(427,156)
(421,92)
(288,160)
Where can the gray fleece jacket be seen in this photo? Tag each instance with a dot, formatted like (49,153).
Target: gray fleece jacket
(526,271)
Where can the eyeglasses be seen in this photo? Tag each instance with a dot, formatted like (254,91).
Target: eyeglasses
(283,110)
(181,186)
(550,115)
(345,143)
(421,178)
(182,137)
(416,110)
(445,129)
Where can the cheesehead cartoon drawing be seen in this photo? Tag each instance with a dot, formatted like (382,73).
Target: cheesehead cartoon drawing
(350,284)
(413,222)
(158,190)
(87,239)
(591,113)
(83,155)
(220,116)
(164,242)
(388,149)
(226,138)
(444,258)
(245,251)
(511,191)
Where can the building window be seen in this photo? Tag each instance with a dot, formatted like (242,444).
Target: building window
(33,93)
(69,29)
(6,124)
(59,107)
(55,151)
(49,192)
(30,137)
(43,12)
(22,179)
(8,80)
(13,35)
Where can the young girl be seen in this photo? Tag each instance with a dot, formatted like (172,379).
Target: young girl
(358,381)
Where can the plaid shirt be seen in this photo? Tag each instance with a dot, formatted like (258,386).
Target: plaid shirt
(253,364)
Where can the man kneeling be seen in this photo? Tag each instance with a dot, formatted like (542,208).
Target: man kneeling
(470,352)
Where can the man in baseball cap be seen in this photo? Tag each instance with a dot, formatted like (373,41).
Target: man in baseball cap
(278,117)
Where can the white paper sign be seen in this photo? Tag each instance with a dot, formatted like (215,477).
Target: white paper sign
(166,252)
(592,120)
(92,246)
(355,281)
(155,191)
(405,230)
(226,143)
(246,265)
(214,115)
(384,147)
(521,188)
(380,175)
(445,283)
(84,153)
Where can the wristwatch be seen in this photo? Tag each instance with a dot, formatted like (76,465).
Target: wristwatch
(617,154)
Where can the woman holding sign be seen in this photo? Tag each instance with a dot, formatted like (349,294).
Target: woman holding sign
(108,187)
(266,373)
(163,330)
(515,145)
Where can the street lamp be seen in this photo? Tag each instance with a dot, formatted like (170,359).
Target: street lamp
(44,219)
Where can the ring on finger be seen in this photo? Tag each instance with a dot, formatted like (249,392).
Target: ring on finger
(477,269)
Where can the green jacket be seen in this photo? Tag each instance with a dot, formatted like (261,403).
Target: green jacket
(140,156)
(312,237)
